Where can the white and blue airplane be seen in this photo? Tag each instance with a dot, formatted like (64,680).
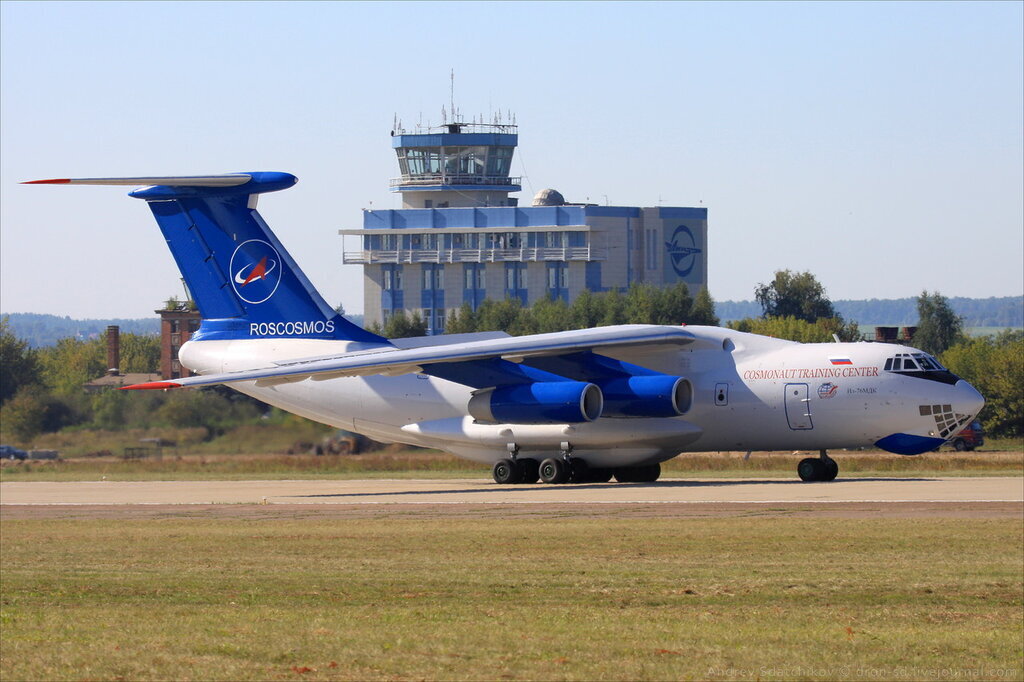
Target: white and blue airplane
(571,406)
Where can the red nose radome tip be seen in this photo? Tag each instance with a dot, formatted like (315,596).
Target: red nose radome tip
(55,181)
(152,385)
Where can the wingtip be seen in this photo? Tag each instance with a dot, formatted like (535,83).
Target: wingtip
(151,385)
(54,181)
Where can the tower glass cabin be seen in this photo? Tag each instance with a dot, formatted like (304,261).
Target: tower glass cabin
(456,165)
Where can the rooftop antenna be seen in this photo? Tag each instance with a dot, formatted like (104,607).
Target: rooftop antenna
(451,93)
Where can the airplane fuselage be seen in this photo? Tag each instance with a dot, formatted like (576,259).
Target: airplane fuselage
(748,392)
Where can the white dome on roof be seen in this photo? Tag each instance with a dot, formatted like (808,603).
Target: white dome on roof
(549,197)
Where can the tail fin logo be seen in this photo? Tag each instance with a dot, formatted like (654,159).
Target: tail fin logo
(256,271)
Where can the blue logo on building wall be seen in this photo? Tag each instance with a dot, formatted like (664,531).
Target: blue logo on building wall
(683,251)
(255,271)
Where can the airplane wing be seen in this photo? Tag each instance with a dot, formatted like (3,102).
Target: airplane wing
(487,362)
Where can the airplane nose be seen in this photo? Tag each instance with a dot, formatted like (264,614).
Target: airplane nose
(968,400)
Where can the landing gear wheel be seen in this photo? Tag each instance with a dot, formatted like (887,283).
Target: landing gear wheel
(810,469)
(830,469)
(553,470)
(579,472)
(641,474)
(506,471)
(649,473)
(600,475)
(529,470)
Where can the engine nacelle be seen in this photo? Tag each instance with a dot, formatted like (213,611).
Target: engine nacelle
(659,395)
(542,402)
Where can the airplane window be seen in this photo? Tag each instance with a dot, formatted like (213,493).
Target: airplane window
(921,366)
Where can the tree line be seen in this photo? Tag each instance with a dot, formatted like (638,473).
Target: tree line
(41,389)
(639,304)
(1003,311)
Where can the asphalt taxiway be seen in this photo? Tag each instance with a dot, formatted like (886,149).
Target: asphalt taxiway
(960,490)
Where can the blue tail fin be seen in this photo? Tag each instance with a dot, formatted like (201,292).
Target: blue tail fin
(243,280)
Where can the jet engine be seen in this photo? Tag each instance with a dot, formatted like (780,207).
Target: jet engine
(658,395)
(541,402)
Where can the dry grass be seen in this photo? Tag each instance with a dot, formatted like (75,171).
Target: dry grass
(575,597)
(262,438)
(396,462)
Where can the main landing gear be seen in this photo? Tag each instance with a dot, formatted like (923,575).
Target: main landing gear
(565,469)
(824,468)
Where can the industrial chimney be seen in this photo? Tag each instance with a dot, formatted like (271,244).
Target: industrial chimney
(113,350)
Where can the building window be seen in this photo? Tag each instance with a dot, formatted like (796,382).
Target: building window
(557,240)
(433,276)
(473,287)
(474,276)
(499,161)
(423,160)
(557,281)
(515,281)
(514,276)
(392,277)
(652,250)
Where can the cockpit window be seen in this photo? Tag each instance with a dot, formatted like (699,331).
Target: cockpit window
(919,365)
(913,362)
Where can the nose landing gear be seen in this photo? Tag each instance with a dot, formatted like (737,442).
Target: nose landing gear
(824,468)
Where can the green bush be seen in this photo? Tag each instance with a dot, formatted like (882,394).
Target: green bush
(995,366)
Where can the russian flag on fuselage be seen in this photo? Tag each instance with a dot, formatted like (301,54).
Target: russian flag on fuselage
(840,361)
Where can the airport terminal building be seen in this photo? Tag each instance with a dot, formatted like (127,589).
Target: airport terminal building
(460,238)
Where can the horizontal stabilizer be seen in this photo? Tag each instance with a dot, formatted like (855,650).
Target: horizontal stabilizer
(227,180)
(151,385)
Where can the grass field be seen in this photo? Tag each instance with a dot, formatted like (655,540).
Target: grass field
(398,463)
(429,596)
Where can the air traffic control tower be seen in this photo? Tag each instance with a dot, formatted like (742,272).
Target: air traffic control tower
(459,237)
(456,165)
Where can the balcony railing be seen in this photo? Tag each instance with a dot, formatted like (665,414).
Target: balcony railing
(523,255)
(453,179)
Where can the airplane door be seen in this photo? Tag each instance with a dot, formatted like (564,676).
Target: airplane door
(798,407)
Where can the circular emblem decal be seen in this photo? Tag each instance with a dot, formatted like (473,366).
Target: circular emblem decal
(683,251)
(827,390)
(255,271)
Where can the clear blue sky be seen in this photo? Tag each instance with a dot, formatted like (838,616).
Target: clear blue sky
(878,145)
